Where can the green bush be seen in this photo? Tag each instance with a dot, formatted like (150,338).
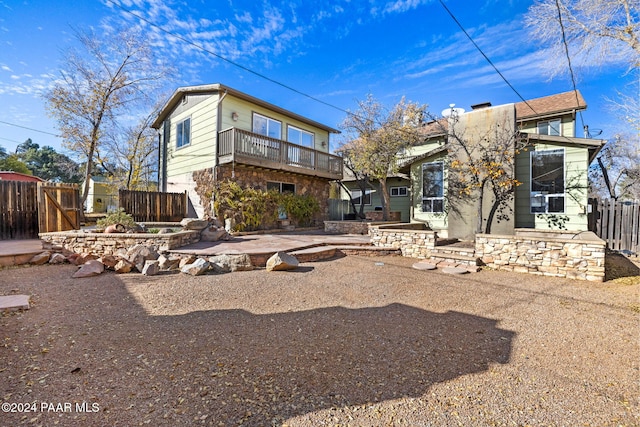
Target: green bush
(253,209)
(116,217)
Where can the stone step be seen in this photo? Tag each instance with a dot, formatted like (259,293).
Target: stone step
(14,302)
(455,258)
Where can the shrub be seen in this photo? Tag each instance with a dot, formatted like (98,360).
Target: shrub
(117,217)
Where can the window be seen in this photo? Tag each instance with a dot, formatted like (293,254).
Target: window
(300,137)
(547,181)
(433,187)
(550,127)
(281,187)
(183,133)
(398,191)
(266,126)
(356,194)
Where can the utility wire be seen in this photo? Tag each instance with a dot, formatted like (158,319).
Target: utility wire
(485,56)
(32,129)
(249,70)
(566,51)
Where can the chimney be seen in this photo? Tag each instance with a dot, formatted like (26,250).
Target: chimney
(481,106)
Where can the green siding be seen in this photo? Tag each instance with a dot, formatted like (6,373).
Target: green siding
(245,111)
(201,152)
(567,125)
(574,217)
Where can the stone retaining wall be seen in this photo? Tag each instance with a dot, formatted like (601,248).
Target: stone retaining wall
(573,258)
(346,227)
(109,243)
(411,242)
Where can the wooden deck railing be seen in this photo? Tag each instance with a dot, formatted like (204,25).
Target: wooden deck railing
(237,145)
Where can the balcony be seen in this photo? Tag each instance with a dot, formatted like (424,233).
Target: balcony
(244,147)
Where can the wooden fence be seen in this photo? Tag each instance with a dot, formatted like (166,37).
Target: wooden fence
(618,223)
(154,206)
(18,210)
(29,208)
(59,207)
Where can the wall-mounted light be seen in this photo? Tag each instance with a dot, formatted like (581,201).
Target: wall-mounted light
(234,116)
(323,143)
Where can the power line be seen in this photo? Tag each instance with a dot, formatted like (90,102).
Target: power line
(31,129)
(566,50)
(235,64)
(485,56)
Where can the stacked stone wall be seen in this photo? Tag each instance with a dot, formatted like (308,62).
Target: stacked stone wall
(559,257)
(109,243)
(251,177)
(412,243)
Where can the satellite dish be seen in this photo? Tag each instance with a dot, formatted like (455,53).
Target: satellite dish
(452,111)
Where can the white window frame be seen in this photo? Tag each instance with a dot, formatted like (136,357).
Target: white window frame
(302,133)
(270,124)
(356,193)
(428,202)
(401,191)
(550,127)
(539,200)
(181,135)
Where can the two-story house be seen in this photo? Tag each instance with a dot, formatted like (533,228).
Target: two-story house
(211,133)
(551,170)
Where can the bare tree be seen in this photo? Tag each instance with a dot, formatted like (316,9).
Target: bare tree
(597,31)
(483,169)
(109,80)
(381,135)
(349,152)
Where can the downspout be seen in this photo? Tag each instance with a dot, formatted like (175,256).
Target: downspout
(218,127)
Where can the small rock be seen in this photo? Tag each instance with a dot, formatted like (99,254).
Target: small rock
(123,266)
(198,267)
(89,269)
(189,259)
(282,261)
(41,258)
(455,270)
(169,263)
(109,261)
(115,228)
(138,254)
(165,231)
(57,258)
(151,268)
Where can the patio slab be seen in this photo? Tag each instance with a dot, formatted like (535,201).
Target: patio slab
(14,302)
(17,252)
(271,243)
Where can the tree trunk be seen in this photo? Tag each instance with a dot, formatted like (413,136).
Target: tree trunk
(385,199)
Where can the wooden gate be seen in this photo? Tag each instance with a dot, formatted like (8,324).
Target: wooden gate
(18,210)
(58,207)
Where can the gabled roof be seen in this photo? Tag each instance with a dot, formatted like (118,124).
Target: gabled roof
(179,93)
(18,176)
(405,165)
(547,105)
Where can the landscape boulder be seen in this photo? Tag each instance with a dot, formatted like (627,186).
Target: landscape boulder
(109,261)
(198,267)
(213,234)
(282,261)
(123,266)
(194,224)
(189,259)
(88,269)
(41,258)
(228,263)
(115,228)
(138,254)
(168,263)
(57,258)
(151,268)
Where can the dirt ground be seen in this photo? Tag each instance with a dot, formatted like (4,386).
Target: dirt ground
(358,341)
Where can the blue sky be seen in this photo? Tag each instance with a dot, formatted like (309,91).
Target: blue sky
(336,52)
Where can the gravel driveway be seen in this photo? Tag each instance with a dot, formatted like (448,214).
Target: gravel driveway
(342,342)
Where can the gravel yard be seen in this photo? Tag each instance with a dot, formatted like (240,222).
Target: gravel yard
(341,342)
